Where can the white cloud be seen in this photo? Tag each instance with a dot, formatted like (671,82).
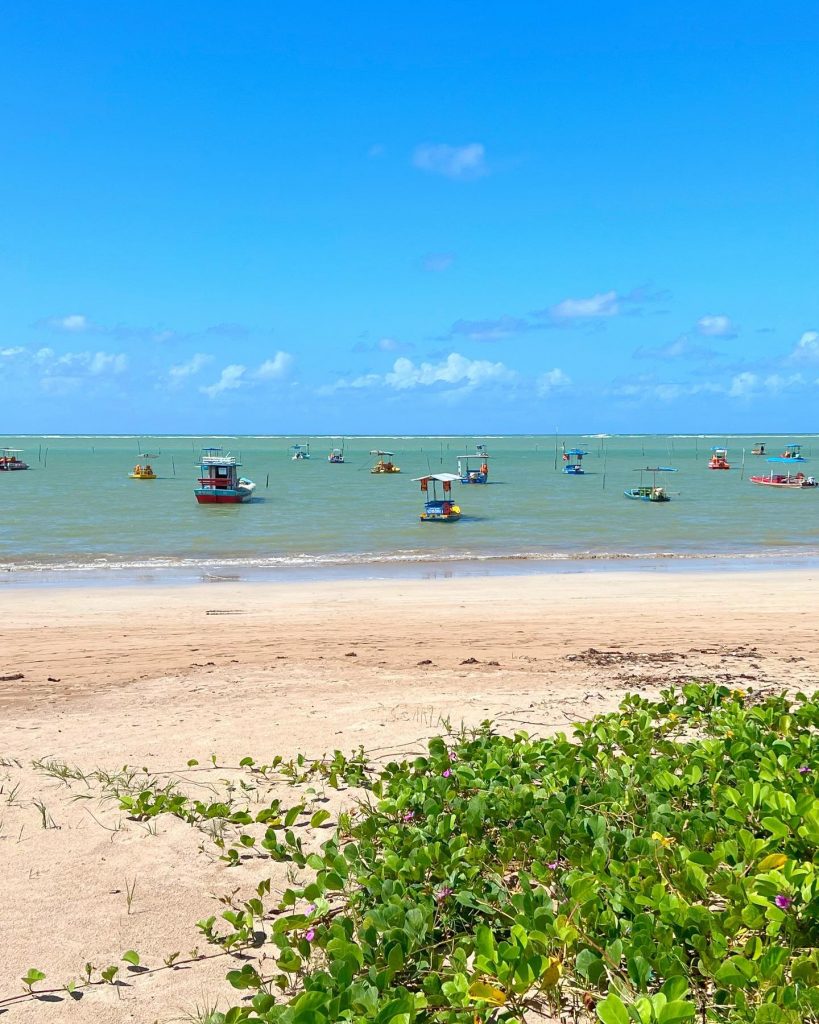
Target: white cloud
(604,304)
(272,369)
(807,348)
(455,370)
(73,322)
(489,330)
(459,162)
(196,363)
(107,362)
(716,326)
(230,378)
(9,353)
(552,380)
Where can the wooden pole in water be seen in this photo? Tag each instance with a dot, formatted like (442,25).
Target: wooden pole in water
(742,471)
(173,466)
(555,448)
(45,461)
(267,482)
(40,454)
(605,461)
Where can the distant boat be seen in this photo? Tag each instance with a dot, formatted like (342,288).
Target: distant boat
(573,461)
(443,510)
(140,472)
(219,482)
(788,480)
(336,456)
(9,461)
(719,459)
(653,492)
(384,463)
(793,453)
(758,448)
(300,452)
(470,474)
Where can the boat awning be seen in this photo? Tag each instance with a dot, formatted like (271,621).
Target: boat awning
(575,451)
(443,477)
(474,455)
(377,451)
(786,461)
(656,469)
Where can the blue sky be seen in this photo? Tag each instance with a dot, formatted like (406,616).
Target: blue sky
(428,217)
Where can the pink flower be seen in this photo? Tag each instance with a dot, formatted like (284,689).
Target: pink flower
(804,770)
(553,865)
(782,901)
(408,816)
(442,893)
(453,756)
(310,934)
(446,773)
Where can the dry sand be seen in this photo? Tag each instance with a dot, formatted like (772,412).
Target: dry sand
(153,677)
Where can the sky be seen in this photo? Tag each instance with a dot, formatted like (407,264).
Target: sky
(375,218)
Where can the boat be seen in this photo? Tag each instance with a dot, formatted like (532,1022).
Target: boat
(140,472)
(758,448)
(300,452)
(436,510)
(719,459)
(384,463)
(652,492)
(219,482)
(336,456)
(470,474)
(9,460)
(573,461)
(793,453)
(793,481)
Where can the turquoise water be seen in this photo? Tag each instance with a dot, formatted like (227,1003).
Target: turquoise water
(76,509)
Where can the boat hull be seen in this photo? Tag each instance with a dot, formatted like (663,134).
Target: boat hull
(644,494)
(574,470)
(207,496)
(785,484)
(453,517)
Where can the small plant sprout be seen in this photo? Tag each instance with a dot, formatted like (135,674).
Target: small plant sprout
(130,889)
(110,973)
(131,957)
(31,978)
(46,820)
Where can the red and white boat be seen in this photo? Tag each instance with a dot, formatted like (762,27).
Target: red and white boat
(719,459)
(219,482)
(9,460)
(790,480)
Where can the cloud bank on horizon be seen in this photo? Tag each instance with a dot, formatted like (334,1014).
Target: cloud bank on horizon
(553,224)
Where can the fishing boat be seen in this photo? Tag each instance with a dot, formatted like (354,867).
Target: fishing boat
(140,472)
(789,480)
(652,492)
(300,452)
(719,459)
(219,482)
(384,463)
(474,474)
(573,461)
(793,453)
(436,510)
(758,448)
(10,461)
(336,456)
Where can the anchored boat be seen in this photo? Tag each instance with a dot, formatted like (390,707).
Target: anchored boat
(140,472)
(472,474)
(652,492)
(336,456)
(443,510)
(573,461)
(219,482)
(719,459)
(758,448)
(300,452)
(790,480)
(384,463)
(9,460)
(793,453)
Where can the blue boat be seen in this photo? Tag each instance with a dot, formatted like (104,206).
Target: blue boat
(793,453)
(651,492)
(219,482)
(472,474)
(443,510)
(573,461)
(300,452)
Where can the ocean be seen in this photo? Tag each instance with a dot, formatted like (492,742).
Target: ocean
(76,512)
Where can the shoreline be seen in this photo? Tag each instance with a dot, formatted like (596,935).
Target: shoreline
(316,569)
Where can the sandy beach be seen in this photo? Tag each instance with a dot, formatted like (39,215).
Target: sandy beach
(152,677)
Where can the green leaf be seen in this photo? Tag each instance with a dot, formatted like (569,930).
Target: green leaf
(612,1011)
(675,1010)
(131,957)
(319,818)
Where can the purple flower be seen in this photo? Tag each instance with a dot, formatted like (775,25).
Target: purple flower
(782,901)
(311,908)
(553,865)
(408,816)
(442,893)
(804,770)
(446,773)
(310,934)
(453,756)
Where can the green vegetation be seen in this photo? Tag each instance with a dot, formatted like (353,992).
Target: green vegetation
(658,866)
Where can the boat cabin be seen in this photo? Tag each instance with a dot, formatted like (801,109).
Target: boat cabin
(478,472)
(573,461)
(219,481)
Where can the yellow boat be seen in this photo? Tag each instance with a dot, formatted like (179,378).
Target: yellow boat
(140,472)
(384,465)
